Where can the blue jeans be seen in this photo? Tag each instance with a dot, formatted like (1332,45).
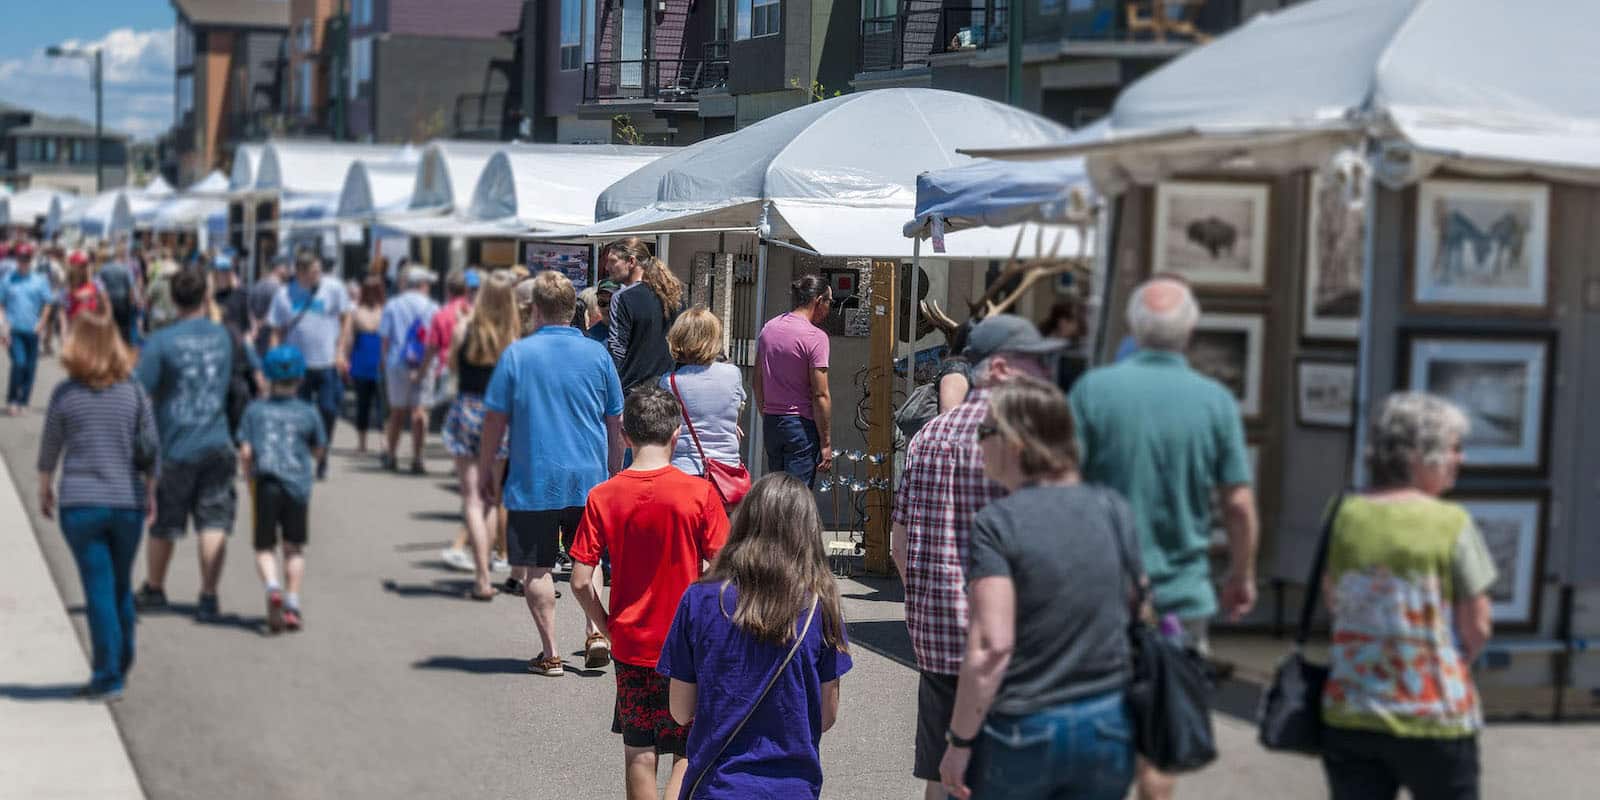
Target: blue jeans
(104,542)
(324,389)
(793,445)
(24,359)
(1082,749)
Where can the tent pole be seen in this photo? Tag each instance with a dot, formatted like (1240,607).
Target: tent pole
(916,319)
(757,465)
(1358,464)
(1107,277)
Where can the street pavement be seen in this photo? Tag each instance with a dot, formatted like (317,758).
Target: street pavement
(399,687)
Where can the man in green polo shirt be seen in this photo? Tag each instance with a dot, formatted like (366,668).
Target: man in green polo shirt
(1167,437)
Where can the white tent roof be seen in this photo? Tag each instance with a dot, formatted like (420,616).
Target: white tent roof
(189,211)
(376,187)
(447,173)
(1468,83)
(839,174)
(553,186)
(214,184)
(30,204)
(313,168)
(246,159)
(157,187)
(105,216)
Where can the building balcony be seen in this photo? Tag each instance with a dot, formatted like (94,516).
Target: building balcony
(489,116)
(651,83)
(924,30)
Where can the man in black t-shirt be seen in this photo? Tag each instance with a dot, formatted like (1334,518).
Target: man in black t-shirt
(642,312)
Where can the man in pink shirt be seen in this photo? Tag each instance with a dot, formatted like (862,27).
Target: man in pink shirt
(791,384)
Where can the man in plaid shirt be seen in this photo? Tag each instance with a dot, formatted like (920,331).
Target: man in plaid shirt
(942,488)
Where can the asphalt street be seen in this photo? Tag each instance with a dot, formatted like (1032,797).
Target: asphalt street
(399,687)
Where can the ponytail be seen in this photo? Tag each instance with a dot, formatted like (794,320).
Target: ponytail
(668,289)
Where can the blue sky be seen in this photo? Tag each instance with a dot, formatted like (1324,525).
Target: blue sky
(137,38)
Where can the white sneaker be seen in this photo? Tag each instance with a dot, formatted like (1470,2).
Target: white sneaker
(458,560)
(498,564)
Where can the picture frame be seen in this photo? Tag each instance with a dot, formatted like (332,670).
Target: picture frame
(1213,233)
(1481,244)
(1230,348)
(1513,530)
(1501,382)
(1335,238)
(1325,393)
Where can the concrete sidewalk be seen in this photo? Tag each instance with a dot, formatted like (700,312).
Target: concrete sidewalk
(51,744)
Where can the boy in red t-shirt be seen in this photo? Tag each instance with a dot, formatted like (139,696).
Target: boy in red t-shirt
(660,526)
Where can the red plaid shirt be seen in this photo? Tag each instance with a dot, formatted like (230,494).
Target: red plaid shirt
(942,488)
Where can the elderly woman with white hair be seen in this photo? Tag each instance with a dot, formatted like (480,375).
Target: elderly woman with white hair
(1407,583)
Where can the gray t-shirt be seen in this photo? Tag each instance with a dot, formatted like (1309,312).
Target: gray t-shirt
(712,395)
(316,335)
(1058,544)
(185,368)
(282,432)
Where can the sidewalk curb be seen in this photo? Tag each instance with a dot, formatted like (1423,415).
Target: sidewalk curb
(51,746)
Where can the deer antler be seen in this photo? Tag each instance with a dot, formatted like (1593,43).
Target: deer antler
(935,315)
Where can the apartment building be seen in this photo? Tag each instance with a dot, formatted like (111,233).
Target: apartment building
(229,60)
(313,40)
(42,151)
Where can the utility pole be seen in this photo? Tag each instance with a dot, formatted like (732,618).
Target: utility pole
(97,64)
(1016,12)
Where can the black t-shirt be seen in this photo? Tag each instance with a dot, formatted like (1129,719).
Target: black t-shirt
(1058,546)
(235,308)
(638,341)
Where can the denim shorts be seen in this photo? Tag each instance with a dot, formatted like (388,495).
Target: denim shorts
(1081,749)
(200,490)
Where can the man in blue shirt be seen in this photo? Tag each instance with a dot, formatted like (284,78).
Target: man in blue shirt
(312,314)
(23,295)
(408,386)
(185,368)
(561,396)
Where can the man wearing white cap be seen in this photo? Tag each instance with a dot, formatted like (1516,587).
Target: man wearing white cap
(403,330)
(312,313)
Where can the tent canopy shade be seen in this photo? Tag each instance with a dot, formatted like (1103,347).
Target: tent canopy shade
(375,187)
(553,186)
(313,168)
(447,172)
(214,184)
(990,193)
(246,159)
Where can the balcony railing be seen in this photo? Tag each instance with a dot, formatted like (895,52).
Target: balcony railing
(923,28)
(660,79)
(481,116)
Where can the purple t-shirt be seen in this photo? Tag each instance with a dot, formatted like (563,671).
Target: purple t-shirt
(788,348)
(777,753)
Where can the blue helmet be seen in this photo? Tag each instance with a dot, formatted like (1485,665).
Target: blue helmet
(284,363)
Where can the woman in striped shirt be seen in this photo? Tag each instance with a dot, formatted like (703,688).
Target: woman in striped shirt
(100,429)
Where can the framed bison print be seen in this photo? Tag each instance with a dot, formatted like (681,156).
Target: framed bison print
(1229,349)
(1481,244)
(1213,234)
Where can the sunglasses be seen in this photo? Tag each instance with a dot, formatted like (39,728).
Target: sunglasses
(987,429)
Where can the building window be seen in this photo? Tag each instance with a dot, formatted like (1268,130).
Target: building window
(183,47)
(571,34)
(51,151)
(756,18)
(305,87)
(361,12)
(75,151)
(185,98)
(877,16)
(360,65)
(305,36)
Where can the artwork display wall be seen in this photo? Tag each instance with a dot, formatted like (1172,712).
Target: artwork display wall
(1213,234)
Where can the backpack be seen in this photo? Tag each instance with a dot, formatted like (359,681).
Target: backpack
(921,406)
(416,348)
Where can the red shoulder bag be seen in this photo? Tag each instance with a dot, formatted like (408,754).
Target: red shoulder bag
(733,483)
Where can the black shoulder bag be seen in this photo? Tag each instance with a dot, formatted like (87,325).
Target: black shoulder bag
(1169,697)
(1290,717)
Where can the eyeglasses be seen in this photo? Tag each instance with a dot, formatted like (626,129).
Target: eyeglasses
(987,429)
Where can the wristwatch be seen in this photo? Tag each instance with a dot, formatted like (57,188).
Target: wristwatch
(953,740)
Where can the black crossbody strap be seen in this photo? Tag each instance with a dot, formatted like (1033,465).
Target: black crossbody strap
(1308,609)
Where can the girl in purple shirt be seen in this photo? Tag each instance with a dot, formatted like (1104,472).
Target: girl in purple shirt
(733,631)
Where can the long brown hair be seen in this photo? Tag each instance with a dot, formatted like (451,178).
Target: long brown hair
(93,353)
(493,325)
(774,558)
(1033,415)
(668,289)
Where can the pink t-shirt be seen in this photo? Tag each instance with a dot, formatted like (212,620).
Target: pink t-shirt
(788,348)
(441,330)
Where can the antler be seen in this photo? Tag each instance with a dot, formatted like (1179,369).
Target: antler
(933,314)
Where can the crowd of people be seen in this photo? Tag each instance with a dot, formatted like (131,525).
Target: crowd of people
(594,432)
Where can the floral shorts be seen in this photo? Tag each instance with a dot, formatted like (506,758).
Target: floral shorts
(643,713)
(463,428)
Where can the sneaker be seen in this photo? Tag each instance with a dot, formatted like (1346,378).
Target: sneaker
(596,652)
(512,586)
(322,470)
(498,564)
(207,609)
(292,619)
(149,597)
(563,564)
(388,462)
(456,559)
(418,469)
(548,667)
(275,611)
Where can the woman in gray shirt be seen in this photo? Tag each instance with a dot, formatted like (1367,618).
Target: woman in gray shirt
(711,391)
(100,430)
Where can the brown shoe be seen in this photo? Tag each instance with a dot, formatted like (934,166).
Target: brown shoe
(596,652)
(549,667)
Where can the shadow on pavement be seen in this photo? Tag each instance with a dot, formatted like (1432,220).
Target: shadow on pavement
(421,547)
(40,692)
(887,638)
(881,590)
(455,590)
(437,516)
(476,666)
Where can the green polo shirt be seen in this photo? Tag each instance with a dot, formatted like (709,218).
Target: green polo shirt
(1164,436)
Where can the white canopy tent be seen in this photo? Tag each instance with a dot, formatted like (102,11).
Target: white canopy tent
(246,159)
(105,216)
(306,178)
(553,186)
(27,206)
(372,188)
(214,184)
(447,174)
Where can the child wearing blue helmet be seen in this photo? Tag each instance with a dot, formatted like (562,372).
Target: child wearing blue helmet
(281,439)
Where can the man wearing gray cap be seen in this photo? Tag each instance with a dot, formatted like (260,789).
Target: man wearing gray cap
(942,488)
(403,331)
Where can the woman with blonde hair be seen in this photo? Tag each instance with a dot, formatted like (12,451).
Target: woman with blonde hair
(101,431)
(478,342)
(710,390)
(642,311)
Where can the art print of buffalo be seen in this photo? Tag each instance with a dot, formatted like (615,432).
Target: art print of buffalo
(1213,234)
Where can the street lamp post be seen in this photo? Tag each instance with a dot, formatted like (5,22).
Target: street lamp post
(97,81)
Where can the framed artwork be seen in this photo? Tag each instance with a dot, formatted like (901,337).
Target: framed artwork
(1228,348)
(1334,241)
(1501,383)
(1213,234)
(1325,393)
(1513,530)
(1482,244)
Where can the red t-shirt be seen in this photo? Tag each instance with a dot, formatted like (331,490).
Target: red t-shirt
(84,298)
(658,525)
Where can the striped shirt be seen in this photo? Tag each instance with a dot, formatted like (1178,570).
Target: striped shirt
(91,432)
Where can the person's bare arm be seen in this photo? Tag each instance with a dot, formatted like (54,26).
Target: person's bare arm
(494,429)
(342,357)
(1239,517)
(898,541)
(952,391)
(614,444)
(1474,624)
(830,704)
(588,598)
(681,698)
(246,454)
(822,413)
(991,638)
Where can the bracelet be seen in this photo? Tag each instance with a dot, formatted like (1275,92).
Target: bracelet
(953,740)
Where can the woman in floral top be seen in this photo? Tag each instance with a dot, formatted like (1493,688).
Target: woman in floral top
(1407,582)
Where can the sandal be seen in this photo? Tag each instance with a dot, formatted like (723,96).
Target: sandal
(472,594)
(549,667)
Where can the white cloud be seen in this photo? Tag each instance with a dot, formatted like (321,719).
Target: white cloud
(138,76)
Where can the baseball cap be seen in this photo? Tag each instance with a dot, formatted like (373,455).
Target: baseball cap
(222,263)
(416,275)
(77,258)
(1009,333)
(474,278)
(284,363)
(607,286)
(23,250)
